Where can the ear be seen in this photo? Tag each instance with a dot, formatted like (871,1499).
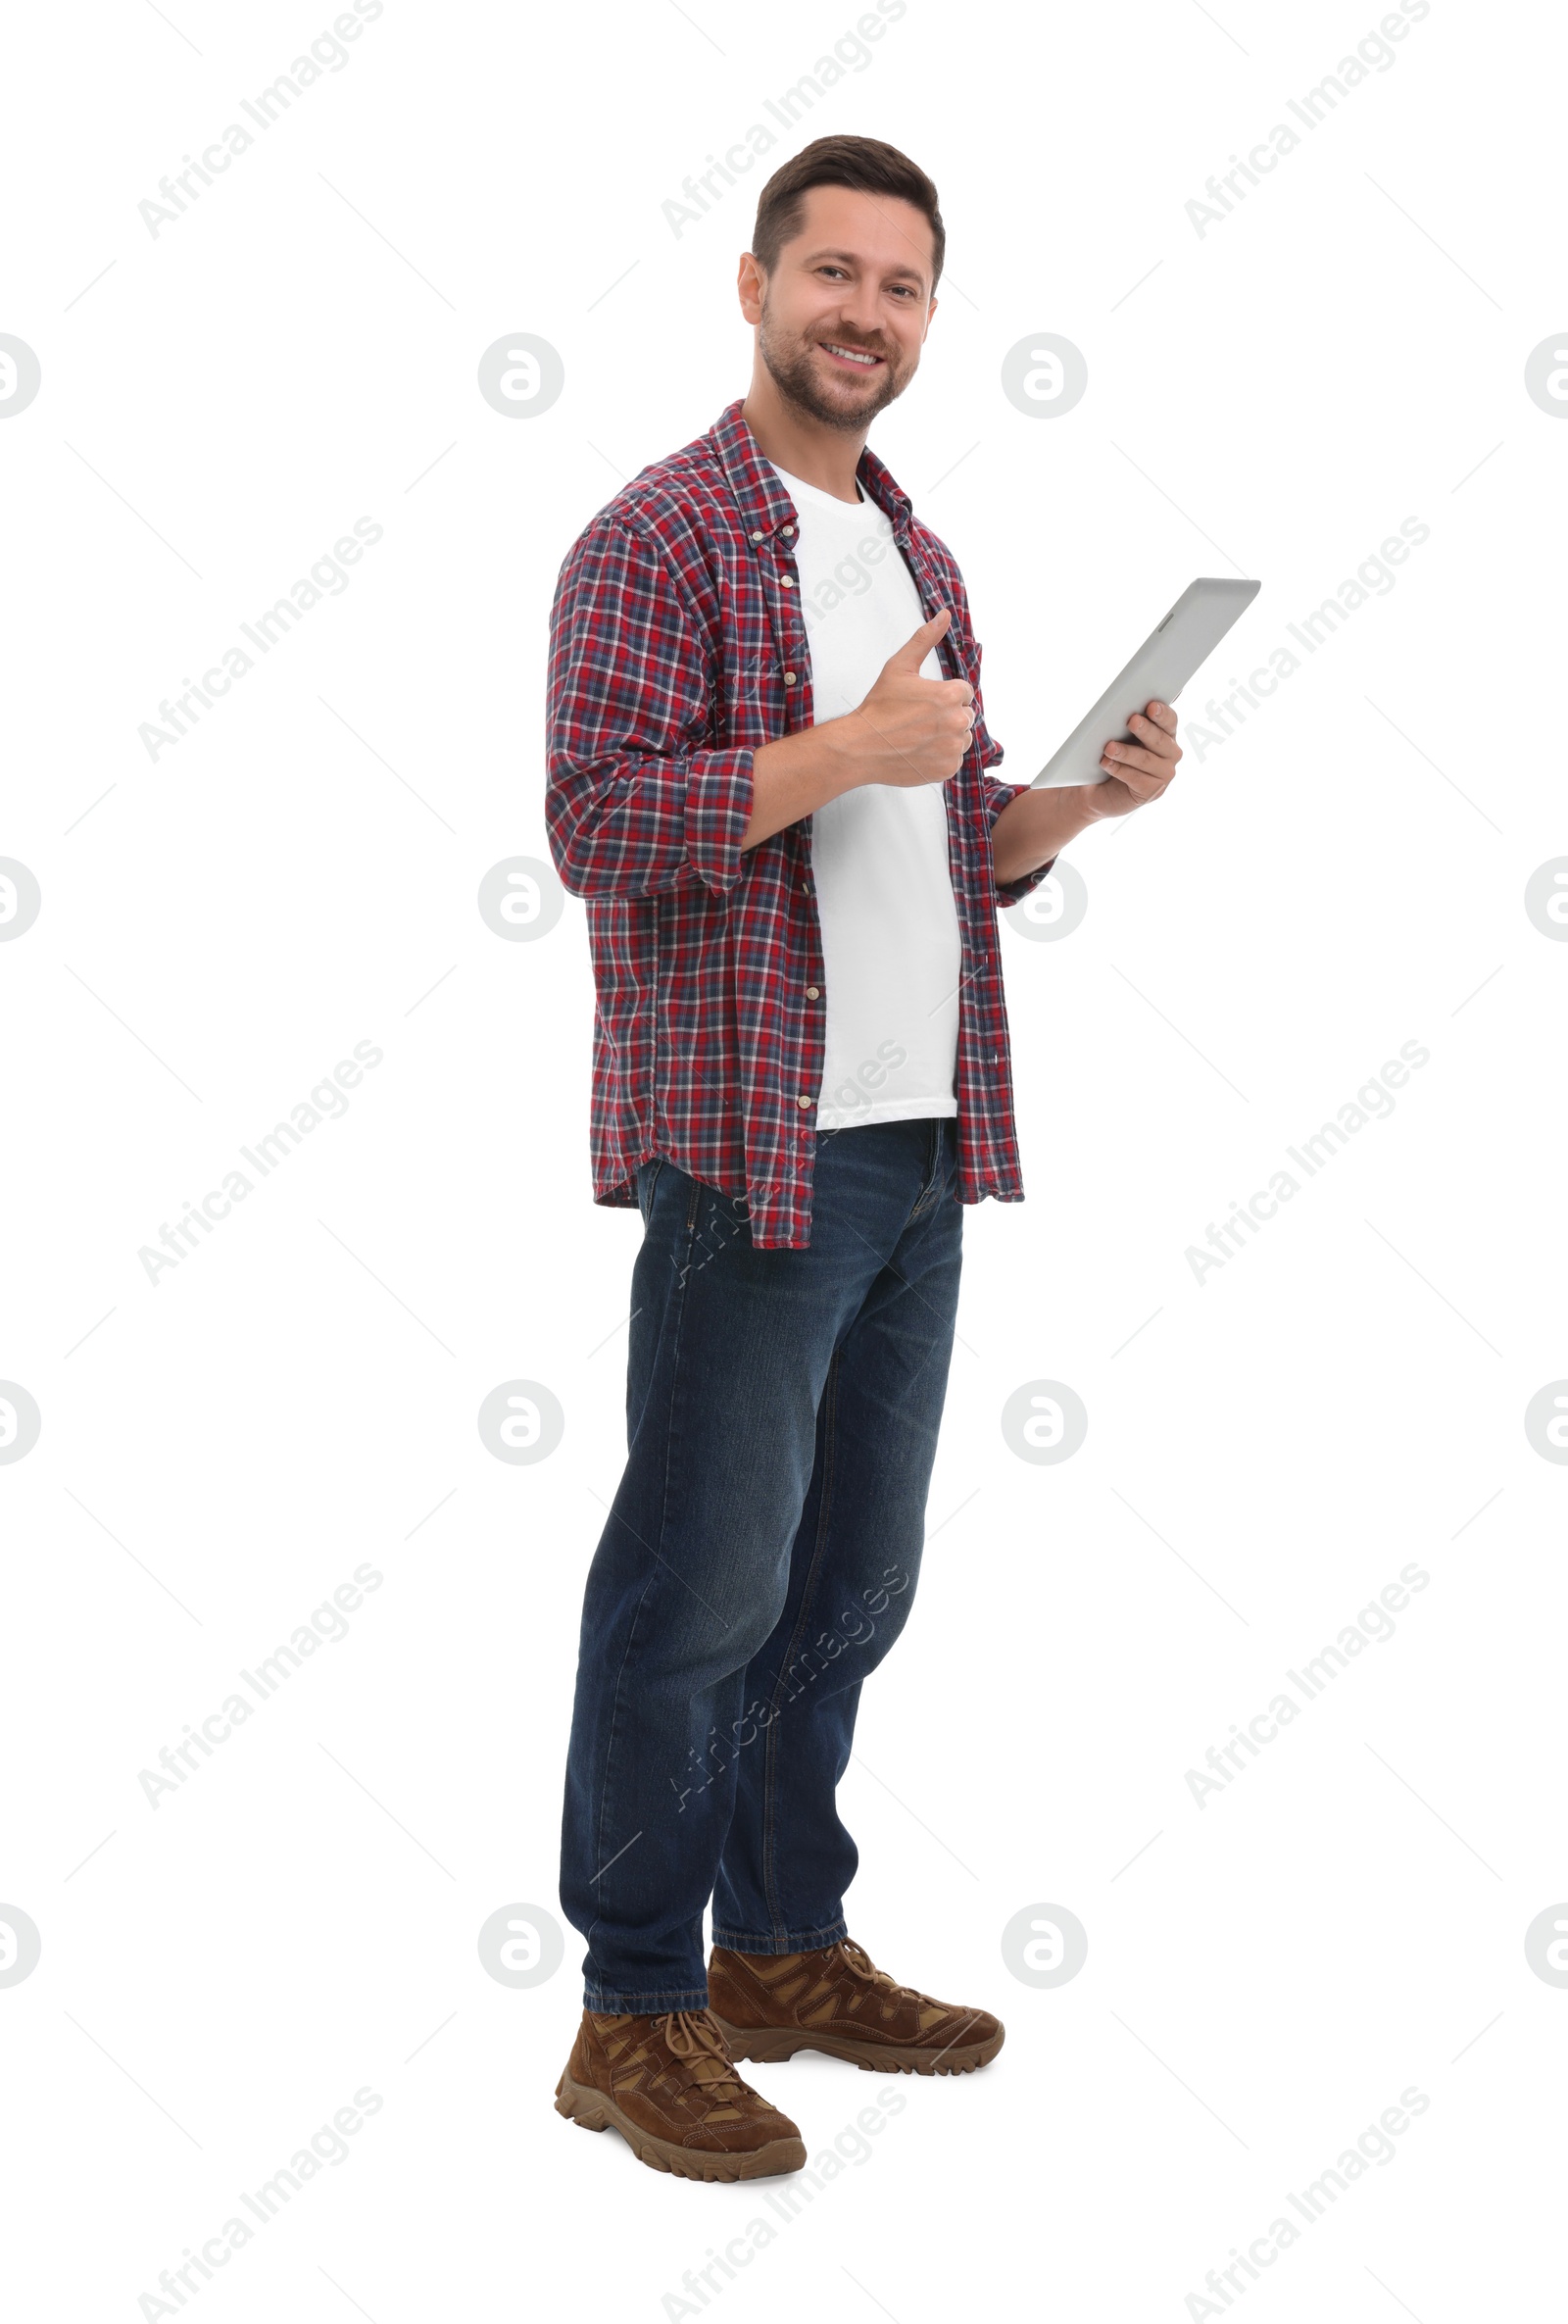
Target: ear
(930,311)
(749,288)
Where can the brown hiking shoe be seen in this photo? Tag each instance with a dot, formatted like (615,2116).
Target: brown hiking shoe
(667,2084)
(769,2005)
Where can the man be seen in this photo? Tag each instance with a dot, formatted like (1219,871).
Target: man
(767,777)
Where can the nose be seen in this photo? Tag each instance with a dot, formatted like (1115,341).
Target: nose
(863,318)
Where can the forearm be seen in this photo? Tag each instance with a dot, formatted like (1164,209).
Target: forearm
(1037,826)
(795,777)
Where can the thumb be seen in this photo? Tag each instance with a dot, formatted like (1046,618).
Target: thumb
(910,657)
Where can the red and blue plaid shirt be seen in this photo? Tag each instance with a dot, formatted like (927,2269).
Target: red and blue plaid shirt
(675,652)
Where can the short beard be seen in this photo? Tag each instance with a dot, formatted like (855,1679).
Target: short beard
(793,376)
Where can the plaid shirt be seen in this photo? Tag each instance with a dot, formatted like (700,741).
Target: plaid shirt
(676,650)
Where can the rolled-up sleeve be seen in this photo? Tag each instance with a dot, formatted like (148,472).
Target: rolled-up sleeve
(636,799)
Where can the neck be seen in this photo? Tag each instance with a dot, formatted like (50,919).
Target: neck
(826,457)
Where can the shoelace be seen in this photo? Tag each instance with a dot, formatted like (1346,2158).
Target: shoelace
(691,2035)
(859,1958)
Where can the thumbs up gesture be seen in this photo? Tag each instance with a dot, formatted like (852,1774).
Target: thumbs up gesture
(911,729)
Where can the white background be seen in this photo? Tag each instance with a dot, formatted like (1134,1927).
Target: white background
(299,1920)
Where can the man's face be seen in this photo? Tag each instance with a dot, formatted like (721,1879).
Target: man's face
(855,278)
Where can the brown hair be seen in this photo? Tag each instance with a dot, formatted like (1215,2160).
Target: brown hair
(863,163)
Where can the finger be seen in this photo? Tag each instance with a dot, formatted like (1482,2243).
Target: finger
(1136,766)
(1159,739)
(911,655)
(1133,755)
(1161,714)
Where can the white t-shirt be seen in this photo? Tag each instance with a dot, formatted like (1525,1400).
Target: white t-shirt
(891,944)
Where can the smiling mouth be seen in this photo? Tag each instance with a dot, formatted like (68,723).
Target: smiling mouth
(857,357)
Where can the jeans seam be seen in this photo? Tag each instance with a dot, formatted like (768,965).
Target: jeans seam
(818,1551)
(653,1576)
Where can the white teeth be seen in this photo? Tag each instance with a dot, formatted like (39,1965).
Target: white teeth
(849,353)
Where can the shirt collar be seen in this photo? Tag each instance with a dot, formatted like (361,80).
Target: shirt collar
(763,503)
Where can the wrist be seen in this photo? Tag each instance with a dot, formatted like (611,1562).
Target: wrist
(841,751)
(1087,804)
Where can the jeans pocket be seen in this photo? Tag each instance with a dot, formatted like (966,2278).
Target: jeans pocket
(647,1180)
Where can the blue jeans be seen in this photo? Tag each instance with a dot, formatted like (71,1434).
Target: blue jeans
(782,1409)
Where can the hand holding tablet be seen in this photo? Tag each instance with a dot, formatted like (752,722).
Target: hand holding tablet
(1172,653)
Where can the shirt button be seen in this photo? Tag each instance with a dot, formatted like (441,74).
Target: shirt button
(785,583)
(814,992)
(788,530)
(802,1101)
(757,536)
(789,677)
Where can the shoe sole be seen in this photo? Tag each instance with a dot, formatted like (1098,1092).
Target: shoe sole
(775,2044)
(591,2109)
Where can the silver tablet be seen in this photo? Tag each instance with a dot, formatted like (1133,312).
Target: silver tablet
(1162,665)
